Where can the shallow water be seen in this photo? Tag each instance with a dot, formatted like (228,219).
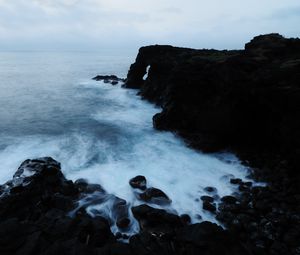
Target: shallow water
(51,107)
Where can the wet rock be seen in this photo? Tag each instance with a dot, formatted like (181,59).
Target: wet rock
(243,187)
(235,181)
(155,219)
(138,182)
(209,206)
(118,235)
(156,196)
(123,223)
(211,190)
(186,219)
(248,184)
(229,199)
(120,213)
(112,79)
(208,238)
(207,198)
(40,206)
(84,186)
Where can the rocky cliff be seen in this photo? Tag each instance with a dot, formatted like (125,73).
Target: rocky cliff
(225,99)
(246,101)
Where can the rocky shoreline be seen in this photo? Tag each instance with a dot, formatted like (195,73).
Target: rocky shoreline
(42,212)
(245,101)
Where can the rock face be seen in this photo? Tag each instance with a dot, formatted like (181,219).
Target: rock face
(247,101)
(225,99)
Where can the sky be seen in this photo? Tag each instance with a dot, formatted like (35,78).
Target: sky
(101,24)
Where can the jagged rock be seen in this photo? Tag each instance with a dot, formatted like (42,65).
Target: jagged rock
(155,219)
(229,199)
(35,216)
(120,213)
(209,206)
(220,99)
(86,187)
(138,182)
(156,196)
(207,198)
(112,79)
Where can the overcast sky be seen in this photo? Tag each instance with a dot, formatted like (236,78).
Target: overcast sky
(96,24)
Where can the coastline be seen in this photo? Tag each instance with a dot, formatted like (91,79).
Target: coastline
(259,220)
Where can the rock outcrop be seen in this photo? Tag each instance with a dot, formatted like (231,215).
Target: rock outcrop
(246,101)
(41,212)
(112,79)
(225,99)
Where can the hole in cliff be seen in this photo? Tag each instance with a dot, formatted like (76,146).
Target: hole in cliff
(146,74)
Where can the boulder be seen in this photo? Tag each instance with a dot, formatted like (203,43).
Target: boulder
(112,79)
(156,196)
(211,207)
(138,182)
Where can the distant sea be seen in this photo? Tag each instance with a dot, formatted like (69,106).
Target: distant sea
(50,106)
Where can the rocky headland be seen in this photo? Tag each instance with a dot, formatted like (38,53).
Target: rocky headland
(245,101)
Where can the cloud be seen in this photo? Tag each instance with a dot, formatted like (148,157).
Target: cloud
(118,23)
(286,13)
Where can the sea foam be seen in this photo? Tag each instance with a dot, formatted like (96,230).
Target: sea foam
(129,147)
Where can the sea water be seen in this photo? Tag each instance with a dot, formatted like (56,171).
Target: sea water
(50,106)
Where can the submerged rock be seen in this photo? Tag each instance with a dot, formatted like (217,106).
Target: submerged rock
(211,190)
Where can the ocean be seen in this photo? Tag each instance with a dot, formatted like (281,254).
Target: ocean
(50,106)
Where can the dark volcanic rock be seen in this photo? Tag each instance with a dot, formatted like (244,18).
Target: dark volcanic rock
(156,196)
(208,206)
(229,200)
(155,219)
(37,216)
(34,214)
(219,99)
(211,190)
(235,181)
(138,182)
(112,79)
(247,101)
(35,219)
(207,198)
(120,213)
(204,238)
